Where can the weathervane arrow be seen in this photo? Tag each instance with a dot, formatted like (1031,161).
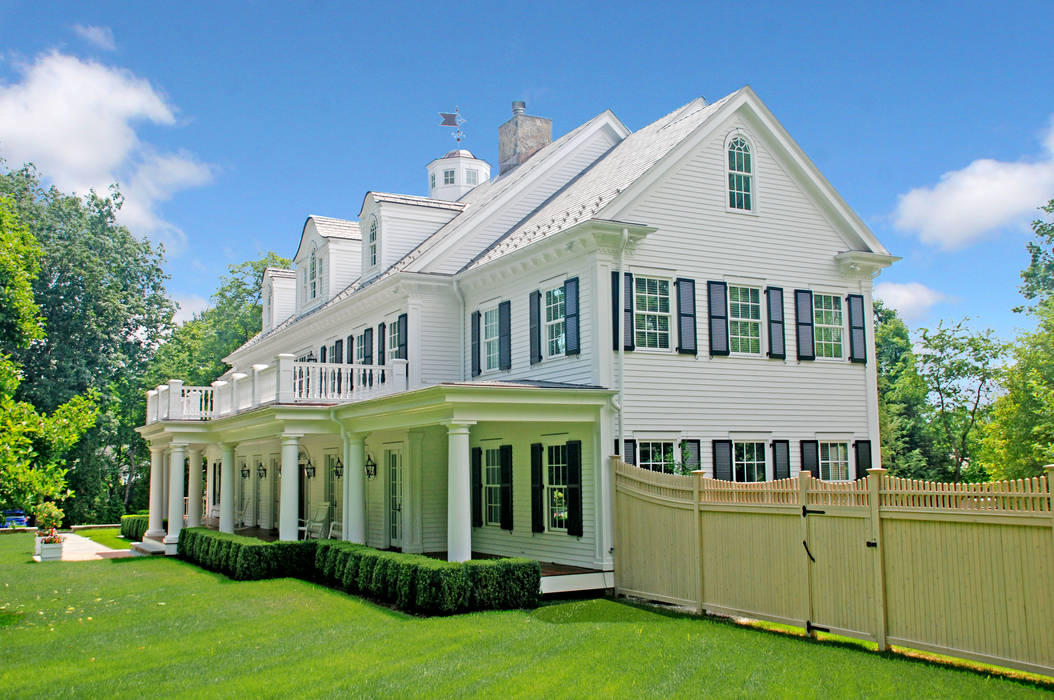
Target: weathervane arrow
(455,120)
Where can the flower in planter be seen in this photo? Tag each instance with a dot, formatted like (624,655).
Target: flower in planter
(49,517)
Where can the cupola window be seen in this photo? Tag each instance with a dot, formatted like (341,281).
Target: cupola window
(448,177)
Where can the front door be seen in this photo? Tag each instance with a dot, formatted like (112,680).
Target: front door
(393,463)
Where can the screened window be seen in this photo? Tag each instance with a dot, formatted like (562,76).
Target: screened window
(554,322)
(448,177)
(740,175)
(834,461)
(651,318)
(556,487)
(827,320)
(656,456)
(490,339)
(744,319)
(372,241)
(492,486)
(472,177)
(748,461)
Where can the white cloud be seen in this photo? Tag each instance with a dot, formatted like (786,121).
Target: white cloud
(76,120)
(982,198)
(99,37)
(188,306)
(912,300)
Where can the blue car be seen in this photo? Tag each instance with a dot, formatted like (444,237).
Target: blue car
(15,518)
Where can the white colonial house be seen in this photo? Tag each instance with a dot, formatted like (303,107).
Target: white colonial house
(451,374)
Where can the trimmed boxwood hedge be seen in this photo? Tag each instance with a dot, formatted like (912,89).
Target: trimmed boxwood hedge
(133,527)
(410,582)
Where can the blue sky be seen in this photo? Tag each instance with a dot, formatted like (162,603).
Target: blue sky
(228,123)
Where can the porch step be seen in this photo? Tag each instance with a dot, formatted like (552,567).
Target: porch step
(148,548)
(567,583)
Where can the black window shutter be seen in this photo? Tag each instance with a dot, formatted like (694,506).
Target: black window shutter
(777,339)
(351,349)
(863,457)
(572,344)
(717,310)
(338,351)
(686,317)
(803,322)
(367,350)
(534,304)
(630,451)
(857,339)
(537,490)
(477,487)
(505,335)
(810,457)
(322,354)
(475,343)
(615,310)
(781,464)
(574,488)
(401,322)
(506,487)
(627,312)
(723,460)
(691,453)
(381,344)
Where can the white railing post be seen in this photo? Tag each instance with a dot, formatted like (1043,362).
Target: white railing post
(397,375)
(284,377)
(238,382)
(151,406)
(258,384)
(175,399)
(219,404)
(162,401)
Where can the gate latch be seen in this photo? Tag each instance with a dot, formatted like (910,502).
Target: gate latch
(810,627)
(872,543)
(805,510)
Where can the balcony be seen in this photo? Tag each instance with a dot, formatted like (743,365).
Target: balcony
(286,381)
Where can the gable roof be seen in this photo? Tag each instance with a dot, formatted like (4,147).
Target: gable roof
(329,227)
(410,199)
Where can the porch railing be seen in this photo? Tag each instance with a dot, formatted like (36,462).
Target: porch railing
(286,381)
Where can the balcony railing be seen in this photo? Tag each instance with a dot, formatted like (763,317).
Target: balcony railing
(287,381)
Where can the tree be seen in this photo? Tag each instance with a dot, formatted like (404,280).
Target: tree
(960,368)
(1039,275)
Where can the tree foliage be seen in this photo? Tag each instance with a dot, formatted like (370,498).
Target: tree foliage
(1038,284)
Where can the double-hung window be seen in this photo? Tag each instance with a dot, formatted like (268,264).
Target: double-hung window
(740,175)
(834,461)
(313,275)
(492,486)
(393,339)
(490,339)
(555,329)
(827,319)
(471,177)
(748,461)
(744,320)
(651,317)
(656,455)
(556,487)
(448,177)
(372,241)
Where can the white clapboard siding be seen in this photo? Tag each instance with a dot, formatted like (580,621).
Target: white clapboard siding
(345,261)
(402,228)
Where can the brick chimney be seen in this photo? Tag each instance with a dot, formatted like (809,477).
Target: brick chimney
(521,137)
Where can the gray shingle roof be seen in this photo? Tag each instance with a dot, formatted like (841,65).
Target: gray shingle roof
(328,227)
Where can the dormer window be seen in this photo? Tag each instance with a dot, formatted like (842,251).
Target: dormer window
(313,275)
(448,177)
(371,242)
(740,175)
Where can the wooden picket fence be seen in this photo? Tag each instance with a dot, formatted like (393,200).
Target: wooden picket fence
(957,569)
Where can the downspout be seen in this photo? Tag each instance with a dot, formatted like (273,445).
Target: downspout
(461,329)
(622,341)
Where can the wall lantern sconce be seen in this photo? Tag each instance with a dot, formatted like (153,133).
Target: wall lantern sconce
(309,470)
(245,471)
(338,469)
(371,467)
(261,470)
(310,356)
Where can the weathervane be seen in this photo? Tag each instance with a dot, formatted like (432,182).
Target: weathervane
(455,120)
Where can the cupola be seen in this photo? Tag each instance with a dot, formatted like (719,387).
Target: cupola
(451,176)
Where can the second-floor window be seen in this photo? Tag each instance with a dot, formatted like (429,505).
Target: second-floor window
(555,317)
(744,320)
(491,344)
(651,318)
(748,461)
(827,318)
(393,339)
(656,456)
(834,461)
(371,241)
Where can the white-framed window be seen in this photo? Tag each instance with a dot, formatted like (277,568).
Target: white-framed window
(371,241)
(432,180)
(748,461)
(490,339)
(834,461)
(313,275)
(651,315)
(492,486)
(656,455)
(827,324)
(744,319)
(471,177)
(740,174)
(393,339)
(555,326)
(360,348)
(556,487)
(448,177)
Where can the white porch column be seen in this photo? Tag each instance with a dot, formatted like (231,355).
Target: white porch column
(175,497)
(287,522)
(227,487)
(459,489)
(157,493)
(194,487)
(354,525)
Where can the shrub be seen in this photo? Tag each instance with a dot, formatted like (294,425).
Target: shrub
(503,584)
(134,527)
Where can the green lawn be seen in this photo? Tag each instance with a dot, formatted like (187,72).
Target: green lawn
(108,537)
(155,627)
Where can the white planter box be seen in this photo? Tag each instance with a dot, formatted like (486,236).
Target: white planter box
(50,552)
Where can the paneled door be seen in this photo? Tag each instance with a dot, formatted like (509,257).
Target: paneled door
(393,464)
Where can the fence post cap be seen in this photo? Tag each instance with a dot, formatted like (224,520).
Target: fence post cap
(877,471)
(698,472)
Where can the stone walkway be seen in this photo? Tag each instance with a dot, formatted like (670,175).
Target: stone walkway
(78,548)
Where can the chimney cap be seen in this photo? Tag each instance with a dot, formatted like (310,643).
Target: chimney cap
(519,107)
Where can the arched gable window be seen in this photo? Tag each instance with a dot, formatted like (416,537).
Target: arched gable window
(740,174)
(313,274)
(371,241)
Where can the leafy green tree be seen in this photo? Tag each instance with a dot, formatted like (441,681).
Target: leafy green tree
(1038,277)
